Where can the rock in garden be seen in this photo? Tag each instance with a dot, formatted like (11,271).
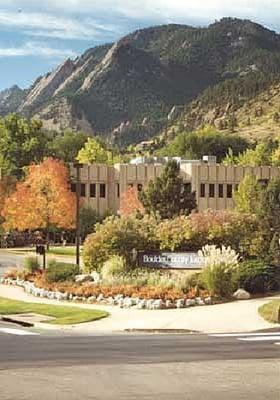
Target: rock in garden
(190,302)
(128,302)
(121,303)
(91,299)
(199,301)
(142,304)
(241,294)
(83,278)
(100,297)
(208,300)
(180,303)
(168,304)
(95,277)
(157,304)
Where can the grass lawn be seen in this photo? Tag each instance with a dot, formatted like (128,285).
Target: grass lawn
(57,250)
(63,315)
(270,311)
(63,251)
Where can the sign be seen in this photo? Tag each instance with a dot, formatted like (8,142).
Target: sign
(166,260)
(40,249)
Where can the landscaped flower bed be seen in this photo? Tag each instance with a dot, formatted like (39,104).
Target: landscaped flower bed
(146,297)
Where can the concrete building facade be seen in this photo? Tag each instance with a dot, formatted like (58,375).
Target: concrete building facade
(214,184)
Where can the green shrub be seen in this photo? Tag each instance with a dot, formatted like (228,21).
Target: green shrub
(115,266)
(195,280)
(118,236)
(219,280)
(257,277)
(60,272)
(31,264)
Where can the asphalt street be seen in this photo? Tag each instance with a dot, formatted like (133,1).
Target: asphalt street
(49,365)
(9,260)
(53,366)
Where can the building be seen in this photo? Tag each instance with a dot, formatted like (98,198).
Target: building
(213,183)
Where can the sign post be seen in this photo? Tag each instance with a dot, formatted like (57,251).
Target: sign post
(41,249)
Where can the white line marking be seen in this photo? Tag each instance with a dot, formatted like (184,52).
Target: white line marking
(17,332)
(245,334)
(260,338)
(278,344)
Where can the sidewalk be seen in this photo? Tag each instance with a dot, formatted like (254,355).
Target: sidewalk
(239,316)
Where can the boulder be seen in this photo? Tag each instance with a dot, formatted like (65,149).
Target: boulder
(95,277)
(142,304)
(180,303)
(199,301)
(190,302)
(168,304)
(157,304)
(83,278)
(241,294)
(208,300)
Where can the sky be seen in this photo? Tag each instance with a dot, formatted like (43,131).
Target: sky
(36,36)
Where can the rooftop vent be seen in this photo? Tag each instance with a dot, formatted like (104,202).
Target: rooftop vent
(209,159)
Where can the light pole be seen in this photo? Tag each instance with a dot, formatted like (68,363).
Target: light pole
(78,168)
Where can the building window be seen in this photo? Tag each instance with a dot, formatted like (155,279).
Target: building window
(139,187)
(188,187)
(92,189)
(236,187)
(211,190)
(102,190)
(202,190)
(263,182)
(221,191)
(73,187)
(229,191)
(118,190)
(83,190)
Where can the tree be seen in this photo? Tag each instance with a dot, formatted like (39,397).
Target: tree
(260,155)
(248,196)
(66,147)
(206,141)
(7,186)
(269,208)
(22,142)
(130,203)
(94,151)
(88,218)
(42,200)
(167,195)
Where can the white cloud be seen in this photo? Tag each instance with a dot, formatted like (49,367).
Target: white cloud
(48,25)
(154,8)
(36,49)
(106,20)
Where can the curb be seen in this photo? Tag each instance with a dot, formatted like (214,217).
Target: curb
(15,321)
(162,331)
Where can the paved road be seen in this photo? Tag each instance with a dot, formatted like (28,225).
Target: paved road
(51,366)
(9,259)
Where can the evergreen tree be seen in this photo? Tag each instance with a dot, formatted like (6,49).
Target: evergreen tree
(167,195)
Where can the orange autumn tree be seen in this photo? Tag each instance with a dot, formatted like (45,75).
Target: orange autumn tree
(42,200)
(7,186)
(130,203)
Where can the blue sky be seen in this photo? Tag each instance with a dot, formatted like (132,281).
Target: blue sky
(35,36)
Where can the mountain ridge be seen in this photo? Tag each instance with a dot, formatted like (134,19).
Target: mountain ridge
(124,91)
